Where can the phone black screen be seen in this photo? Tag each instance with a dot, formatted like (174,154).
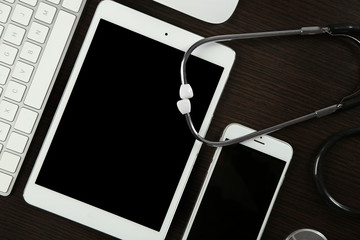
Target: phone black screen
(238,195)
(122,145)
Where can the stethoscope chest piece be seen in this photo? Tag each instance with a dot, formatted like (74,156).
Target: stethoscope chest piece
(306,234)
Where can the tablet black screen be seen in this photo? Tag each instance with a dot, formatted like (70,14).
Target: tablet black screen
(121,144)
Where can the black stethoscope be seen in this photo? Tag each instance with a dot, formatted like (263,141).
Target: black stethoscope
(341,30)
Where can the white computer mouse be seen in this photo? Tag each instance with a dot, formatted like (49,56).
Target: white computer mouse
(212,11)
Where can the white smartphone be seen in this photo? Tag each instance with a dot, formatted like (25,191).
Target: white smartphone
(240,188)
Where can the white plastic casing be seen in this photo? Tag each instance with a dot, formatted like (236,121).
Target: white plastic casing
(186,91)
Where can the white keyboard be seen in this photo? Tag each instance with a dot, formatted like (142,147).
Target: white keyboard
(34,37)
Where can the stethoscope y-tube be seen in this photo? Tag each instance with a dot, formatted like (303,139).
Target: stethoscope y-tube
(186,92)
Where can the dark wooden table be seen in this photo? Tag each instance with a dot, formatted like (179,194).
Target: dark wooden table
(273,80)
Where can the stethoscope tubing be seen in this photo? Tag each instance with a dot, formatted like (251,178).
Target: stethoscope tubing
(333,30)
(318,172)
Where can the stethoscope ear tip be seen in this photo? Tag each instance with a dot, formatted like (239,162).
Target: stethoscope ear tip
(184,106)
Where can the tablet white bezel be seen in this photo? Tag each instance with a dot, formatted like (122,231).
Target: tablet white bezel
(89,215)
(265,144)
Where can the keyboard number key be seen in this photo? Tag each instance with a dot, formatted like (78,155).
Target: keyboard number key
(9,162)
(30,52)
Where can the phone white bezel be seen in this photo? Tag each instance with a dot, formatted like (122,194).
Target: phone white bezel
(89,215)
(266,144)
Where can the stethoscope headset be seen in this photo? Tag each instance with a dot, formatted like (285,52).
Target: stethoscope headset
(340,30)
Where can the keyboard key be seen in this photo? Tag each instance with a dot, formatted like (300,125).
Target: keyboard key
(22,71)
(15,91)
(73,5)
(38,32)
(45,13)
(50,58)
(14,34)
(9,162)
(7,54)
(4,12)
(4,73)
(30,52)
(30,2)
(54,1)
(8,110)
(34,36)
(26,120)
(17,142)
(5,181)
(4,131)
(22,15)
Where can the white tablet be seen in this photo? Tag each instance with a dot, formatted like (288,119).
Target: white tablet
(118,153)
